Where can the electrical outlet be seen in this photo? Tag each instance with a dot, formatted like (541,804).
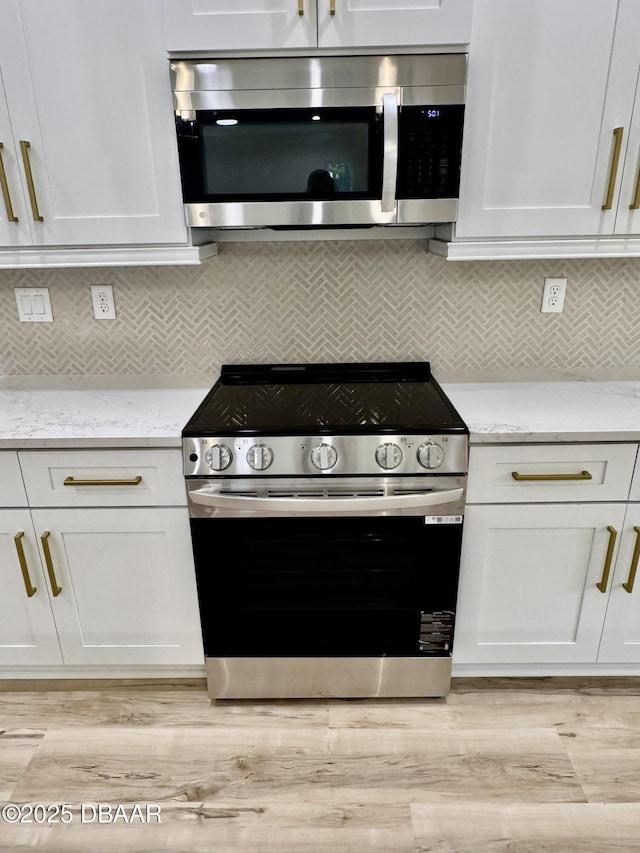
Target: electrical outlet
(553,295)
(104,307)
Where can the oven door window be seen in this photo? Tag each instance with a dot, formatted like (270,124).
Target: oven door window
(335,586)
(281,155)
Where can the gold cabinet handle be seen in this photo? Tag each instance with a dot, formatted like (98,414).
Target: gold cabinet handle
(5,190)
(635,204)
(24,147)
(613,534)
(617,145)
(31,589)
(332,7)
(71,481)
(633,568)
(301,7)
(583,475)
(55,589)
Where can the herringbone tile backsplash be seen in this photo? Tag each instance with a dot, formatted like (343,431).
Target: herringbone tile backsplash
(327,301)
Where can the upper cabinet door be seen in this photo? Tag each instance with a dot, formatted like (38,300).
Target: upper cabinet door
(239,24)
(628,45)
(550,96)
(215,25)
(89,103)
(14,224)
(377,23)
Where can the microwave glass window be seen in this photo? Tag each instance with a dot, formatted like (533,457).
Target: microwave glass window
(318,154)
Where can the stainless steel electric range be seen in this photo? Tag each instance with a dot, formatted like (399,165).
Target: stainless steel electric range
(326,505)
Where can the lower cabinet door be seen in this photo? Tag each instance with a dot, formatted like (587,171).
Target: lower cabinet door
(122,584)
(27,630)
(621,635)
(529,582)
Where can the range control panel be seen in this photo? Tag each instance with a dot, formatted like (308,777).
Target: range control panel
(317,455)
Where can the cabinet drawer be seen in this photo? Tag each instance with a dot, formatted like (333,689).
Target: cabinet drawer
(12,491)
(103,477)
(549,473)
(634,495)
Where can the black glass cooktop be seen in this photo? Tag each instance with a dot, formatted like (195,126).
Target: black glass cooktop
(324,399)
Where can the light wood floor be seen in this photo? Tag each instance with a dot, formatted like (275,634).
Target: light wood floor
(525,766)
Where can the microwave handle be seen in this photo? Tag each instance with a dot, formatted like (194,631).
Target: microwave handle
(390,154)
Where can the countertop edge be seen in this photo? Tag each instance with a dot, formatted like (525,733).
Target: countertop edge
(89,443)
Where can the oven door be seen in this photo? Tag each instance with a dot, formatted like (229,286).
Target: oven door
(304,590)
(327,586)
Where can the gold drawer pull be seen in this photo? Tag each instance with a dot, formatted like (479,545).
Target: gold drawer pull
(583,475)
(301,7)
(635,204)
(4,185)
(633,568)
(31,589)
(24,147)
(613,534)
(617,145)
(134,481)
(55,589)
(332,7)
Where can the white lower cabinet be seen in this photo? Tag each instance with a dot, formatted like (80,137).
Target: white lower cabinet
(550,583)
(28,634)
(621,634)
(111,586)
(124,596)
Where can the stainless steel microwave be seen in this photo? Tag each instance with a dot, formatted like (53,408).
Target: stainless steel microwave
(325,142)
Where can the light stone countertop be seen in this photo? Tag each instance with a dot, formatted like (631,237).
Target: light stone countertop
(150,411)
(548,411)
(97,411)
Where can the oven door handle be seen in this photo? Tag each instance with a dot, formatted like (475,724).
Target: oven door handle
(324,505)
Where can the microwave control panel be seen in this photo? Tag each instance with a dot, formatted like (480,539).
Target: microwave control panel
(429,147)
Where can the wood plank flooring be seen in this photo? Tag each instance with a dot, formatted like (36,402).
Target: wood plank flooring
(517,765)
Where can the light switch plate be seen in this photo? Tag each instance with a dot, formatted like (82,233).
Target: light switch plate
(34,305)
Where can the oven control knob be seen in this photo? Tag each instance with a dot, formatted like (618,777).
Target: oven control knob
(259,457)
(218,457)
(430,455)
(388,456)
(324,456)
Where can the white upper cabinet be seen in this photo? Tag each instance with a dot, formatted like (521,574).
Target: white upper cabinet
(239,24)
(217,25)
(86,124)
(552,137)
(376,23)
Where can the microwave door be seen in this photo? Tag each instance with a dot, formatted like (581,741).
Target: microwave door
(291,167)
